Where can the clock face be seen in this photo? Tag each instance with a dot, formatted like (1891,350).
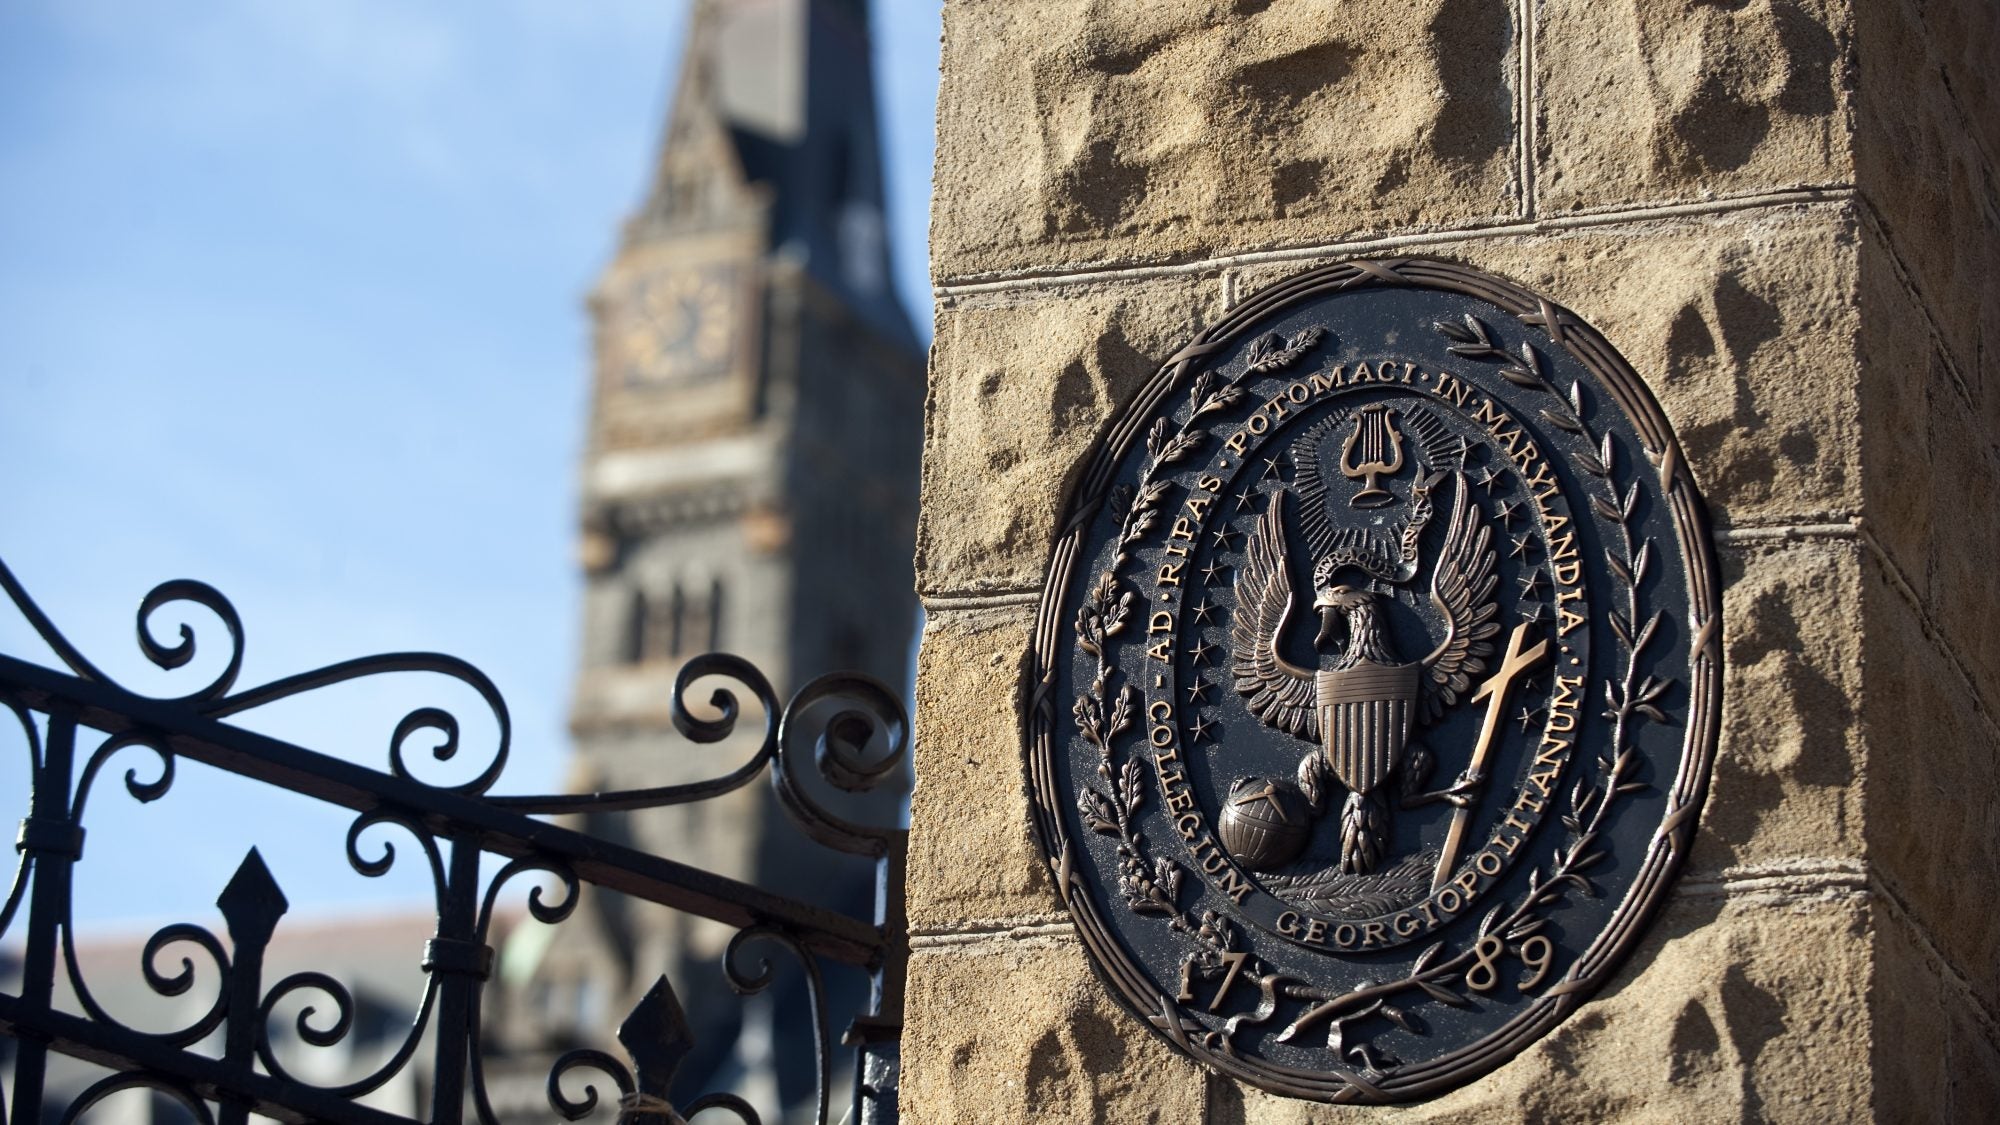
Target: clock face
(676,327)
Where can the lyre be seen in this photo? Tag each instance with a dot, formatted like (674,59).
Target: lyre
(1381,453)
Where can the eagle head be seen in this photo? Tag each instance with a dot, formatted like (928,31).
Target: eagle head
(1359,609)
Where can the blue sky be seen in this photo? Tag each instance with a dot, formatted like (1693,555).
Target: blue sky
(291,302)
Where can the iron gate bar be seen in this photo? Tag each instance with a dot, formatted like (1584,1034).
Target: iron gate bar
(208,1077)
(454,826)
(259,757)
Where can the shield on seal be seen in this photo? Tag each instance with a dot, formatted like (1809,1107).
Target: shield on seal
(1364,720)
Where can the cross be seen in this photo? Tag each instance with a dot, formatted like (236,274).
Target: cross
(1516,663)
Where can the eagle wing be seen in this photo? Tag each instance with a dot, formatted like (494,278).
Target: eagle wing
(1462,589)
(1280,693)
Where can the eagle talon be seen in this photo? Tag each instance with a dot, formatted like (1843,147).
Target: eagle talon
(1460,794)
(1451,797)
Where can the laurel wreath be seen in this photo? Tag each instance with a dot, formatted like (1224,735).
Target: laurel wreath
(1152,885)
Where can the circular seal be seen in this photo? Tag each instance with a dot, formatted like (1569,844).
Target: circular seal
(1375,683)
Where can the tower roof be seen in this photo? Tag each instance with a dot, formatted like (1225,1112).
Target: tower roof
(774,118)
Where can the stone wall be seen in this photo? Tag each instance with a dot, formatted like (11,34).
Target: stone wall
(1784,214)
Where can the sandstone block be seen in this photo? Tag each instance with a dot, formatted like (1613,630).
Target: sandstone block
(1744,1008)
(1964,562)
(1985,375)
(1965,38)
(973,855)
(1743,326)
(1078,132)
(1924,175)
(1642,101)
(1020,385)
(1785,787)
(1023,1031)
(1913,1046)
(1933,788)
(1902,373)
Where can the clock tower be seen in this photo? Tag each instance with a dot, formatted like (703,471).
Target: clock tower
(749,486)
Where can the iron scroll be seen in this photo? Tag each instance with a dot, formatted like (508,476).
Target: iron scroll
(75,723)
(1374,689)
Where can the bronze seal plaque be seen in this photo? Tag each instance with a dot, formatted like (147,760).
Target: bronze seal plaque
(1375,684)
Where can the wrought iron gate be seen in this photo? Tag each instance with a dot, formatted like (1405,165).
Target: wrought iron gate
(853,727)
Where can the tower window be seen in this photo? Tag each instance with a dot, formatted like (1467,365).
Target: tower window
(632,646)
(714,615)
(672,632)
(683,622)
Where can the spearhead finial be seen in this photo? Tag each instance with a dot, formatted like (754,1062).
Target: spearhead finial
(252,903)
(657,1037)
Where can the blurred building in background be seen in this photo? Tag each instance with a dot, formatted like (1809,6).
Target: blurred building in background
(749,486)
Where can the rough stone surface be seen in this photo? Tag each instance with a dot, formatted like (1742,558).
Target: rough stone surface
(1743,326)
(1904,377)
(1023,1031)
(1960,583)
(1745,1008)
(1786,783)
(1937,1056)
(1020,385)
(1078,132)
(1928,452)
(1925,176)
(1933,788)
(1832,369)
(1647,101)
(973,855)
(1963,40)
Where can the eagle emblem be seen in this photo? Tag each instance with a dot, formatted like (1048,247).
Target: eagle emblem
(1363,701)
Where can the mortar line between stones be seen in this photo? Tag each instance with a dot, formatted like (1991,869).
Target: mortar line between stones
(1786,532)
(1018,932)
(1527,99)
(1788,879)
(1803,195)
(981,600)
(1848,529)
(1958,980)
(1872,218)
(1933,634)
(1934,62)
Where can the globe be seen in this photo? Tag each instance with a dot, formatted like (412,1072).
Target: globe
(1264,824)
